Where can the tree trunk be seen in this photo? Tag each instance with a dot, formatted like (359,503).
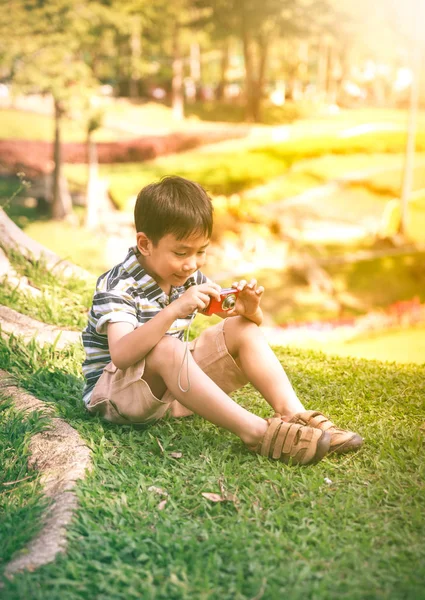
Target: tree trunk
(13,238)
(136,53)
(61,200)
(177,83)
(249,72)
(92,198)
(322,68)
(224,65)
(416,63)
(257,97)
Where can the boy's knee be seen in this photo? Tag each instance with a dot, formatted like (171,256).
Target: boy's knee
(165,353)
(240,326)
(239,331)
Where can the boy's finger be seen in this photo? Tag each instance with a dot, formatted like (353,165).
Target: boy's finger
(241,284)
(214,292)
(259,290)
(252,283)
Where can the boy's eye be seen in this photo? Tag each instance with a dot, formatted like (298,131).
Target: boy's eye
(180,253)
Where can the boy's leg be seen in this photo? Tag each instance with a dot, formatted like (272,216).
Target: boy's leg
(247,345)
(250,349)
(204,397)
(273,438)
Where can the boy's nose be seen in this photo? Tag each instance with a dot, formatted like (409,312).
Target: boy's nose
(190,265)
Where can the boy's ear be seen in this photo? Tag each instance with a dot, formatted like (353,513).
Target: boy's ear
(144,244)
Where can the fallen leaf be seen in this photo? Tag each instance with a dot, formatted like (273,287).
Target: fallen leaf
(213,497)
(162,504)
(176,454)
(157,490)
(219,498)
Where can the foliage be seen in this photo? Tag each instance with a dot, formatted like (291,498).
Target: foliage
(361,286)
(349,527)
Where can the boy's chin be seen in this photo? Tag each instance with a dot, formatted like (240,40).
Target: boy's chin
(181,279)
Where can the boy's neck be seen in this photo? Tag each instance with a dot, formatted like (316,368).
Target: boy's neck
(165,287)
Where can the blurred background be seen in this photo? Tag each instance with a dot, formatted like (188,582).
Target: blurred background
(304,120)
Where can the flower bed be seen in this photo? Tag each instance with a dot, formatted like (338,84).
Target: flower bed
(36,157)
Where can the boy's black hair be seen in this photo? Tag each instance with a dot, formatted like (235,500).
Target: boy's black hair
(173,205)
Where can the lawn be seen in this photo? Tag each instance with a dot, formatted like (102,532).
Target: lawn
(21,125)
(405,345)
(351,527)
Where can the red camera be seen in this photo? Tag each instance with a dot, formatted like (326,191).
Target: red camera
(227,302)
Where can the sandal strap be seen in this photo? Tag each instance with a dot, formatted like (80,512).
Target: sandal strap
(313,418)
(272,430)
(280,441)
(289,441)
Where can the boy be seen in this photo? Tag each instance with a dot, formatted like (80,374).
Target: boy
(135,365)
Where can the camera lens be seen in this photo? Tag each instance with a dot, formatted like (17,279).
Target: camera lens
(229,302)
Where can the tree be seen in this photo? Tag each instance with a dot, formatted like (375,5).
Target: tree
(44,51)
(258,24)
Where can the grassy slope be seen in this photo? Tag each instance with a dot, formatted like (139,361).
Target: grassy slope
(21,502)
(290,534)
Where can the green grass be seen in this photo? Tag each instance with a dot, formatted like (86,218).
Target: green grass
(290,534)
(21,125)
(62,301)
(21,501)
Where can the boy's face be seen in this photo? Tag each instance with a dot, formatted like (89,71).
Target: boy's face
(171,262)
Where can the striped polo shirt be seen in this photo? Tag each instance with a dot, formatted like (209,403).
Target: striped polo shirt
(126,293)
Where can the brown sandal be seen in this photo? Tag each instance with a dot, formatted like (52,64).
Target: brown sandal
(292,443)
(341,440)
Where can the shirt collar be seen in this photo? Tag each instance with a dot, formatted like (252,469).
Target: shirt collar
(151,289)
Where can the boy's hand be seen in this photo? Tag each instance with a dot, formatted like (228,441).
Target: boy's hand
(197,297)
(248,300)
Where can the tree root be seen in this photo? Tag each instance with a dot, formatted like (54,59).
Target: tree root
(62,458)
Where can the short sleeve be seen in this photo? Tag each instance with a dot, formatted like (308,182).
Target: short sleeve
(111,307)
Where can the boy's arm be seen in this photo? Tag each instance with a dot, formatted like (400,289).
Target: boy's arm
(128,346)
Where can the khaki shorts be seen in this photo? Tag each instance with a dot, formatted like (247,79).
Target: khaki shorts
(122,396)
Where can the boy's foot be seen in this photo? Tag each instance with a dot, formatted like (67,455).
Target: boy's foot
(293,443)
(341,440)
